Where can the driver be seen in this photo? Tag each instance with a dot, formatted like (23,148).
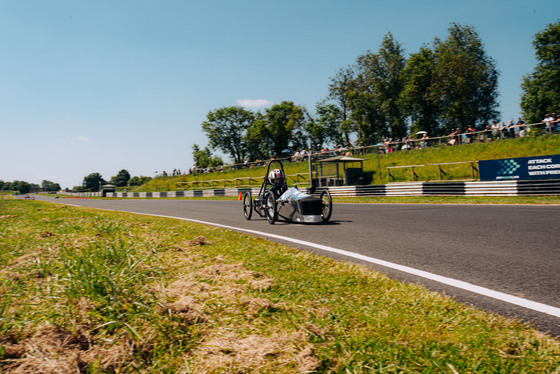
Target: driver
(277,181)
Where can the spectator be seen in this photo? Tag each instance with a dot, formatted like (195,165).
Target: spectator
(385,146)
(469,134)
(488,133)
(405,144)
(453,137)
(295,156)
(511,129)
(361,147)
(520,127)
(505,130)
(424,141)
(495,130)
(548,120)
(389,145)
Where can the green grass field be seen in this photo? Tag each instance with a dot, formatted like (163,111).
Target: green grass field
(105,292)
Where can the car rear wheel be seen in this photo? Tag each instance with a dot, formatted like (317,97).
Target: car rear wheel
(326,203)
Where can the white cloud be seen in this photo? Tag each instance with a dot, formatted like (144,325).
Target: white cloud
(83,138)
(253,103)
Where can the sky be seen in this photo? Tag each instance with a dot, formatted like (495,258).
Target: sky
(100,86)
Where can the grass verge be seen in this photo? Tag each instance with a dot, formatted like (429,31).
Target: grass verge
(106,292)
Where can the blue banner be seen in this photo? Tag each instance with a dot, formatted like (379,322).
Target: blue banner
(521,168)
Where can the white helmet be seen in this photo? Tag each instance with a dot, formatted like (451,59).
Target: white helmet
(276,177)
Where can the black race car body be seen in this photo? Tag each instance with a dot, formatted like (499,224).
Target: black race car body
(297,206)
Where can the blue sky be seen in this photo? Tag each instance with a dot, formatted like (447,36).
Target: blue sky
(100,86)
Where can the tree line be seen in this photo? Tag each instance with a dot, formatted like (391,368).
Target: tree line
(94,181)
(26,187)
(448,85)
(91,182)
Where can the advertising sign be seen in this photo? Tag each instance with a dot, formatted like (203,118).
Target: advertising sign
(521,168)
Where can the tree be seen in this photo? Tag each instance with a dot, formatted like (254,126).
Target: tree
(339,91)
(138,180)
(121,179)
(383,73)
(541,88)
(19,186)
(280,127)
(258,147)
(226,129)
(93,181)
(282,121)
(318,129)
(465,80)
(50,186)
(203,158)
(365,117)
(333,125)
(418,100)
(370,90)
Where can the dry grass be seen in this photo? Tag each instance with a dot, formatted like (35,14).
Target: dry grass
(52,350)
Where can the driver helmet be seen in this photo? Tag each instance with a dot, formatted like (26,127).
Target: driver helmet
(276,177)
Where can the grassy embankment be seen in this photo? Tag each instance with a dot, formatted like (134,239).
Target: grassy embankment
(89,291)
(375,166)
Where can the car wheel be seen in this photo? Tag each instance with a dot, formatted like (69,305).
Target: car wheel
(270,208)
(326,202)
(247,205)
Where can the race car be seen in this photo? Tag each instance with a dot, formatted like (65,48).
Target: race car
(276,201)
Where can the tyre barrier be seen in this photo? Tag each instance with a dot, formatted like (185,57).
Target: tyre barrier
(541,187)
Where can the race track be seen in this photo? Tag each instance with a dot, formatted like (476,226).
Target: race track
(511,249)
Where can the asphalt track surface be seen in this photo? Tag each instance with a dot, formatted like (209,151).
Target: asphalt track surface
(511,249)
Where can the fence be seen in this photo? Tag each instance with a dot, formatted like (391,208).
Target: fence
(236,182)
(441,171)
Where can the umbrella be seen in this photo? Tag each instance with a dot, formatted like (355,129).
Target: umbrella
(287,150)
(421,132)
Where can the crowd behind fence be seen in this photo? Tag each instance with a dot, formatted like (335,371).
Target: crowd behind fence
(494,132)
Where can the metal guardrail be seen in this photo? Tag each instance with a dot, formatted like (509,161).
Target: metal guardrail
(539,187)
